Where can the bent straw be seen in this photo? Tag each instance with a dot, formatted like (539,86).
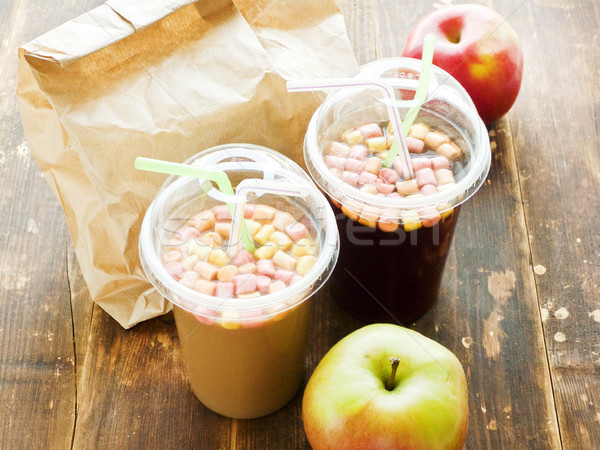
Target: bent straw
(420,95)
(219,177)
(336,83)
(258,186)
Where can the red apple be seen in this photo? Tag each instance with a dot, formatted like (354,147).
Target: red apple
(477,47)
(385,386)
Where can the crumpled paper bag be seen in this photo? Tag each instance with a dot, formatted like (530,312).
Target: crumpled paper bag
(163,79)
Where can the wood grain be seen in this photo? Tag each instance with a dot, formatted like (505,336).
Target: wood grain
(556,128)
(37,376)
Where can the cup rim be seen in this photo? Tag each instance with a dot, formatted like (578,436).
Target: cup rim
(194,301)
(340,190)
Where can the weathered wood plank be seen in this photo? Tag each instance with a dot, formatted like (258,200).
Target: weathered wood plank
(134,391)
(556,127)
(488,313)
(37,380)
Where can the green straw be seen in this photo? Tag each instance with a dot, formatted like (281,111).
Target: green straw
(219,177)
(420,95)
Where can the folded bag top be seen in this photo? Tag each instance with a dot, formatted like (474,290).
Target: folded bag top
(163,80)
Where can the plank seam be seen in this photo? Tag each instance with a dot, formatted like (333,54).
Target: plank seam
(535,281)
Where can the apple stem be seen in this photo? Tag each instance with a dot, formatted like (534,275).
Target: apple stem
(392,382)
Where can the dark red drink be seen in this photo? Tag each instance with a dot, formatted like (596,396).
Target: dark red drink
(390,276)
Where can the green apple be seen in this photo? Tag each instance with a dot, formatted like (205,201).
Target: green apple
(385,386)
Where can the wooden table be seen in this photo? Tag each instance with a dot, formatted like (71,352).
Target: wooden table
(520,303)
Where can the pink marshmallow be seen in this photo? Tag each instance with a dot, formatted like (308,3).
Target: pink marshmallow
(369,130)
(242,257)
(225,289)
(440,162)
(421,163)
(221,212)
(425,176)
(296,278)
(284,275)
(339,149)
(428,189)
(354,165)
(248,211)
(350,177)
(430,217)
(335,162)
(367,178)
(297,231)
(389,175)
(175,269)
(358,152)
(415,145)
(265,267)
(244,283)
(187,233)
(263,283)
(385,188)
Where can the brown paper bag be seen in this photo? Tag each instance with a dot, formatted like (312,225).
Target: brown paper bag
(163,79)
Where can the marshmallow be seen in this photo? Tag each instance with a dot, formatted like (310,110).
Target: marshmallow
(224,289)
(297,231)
(354,165)
(450,150)
(221,212)
(265,267)
(407,187)
(433,139)
(263,213)
(242,257)
(358,152)
(421,163)
(425,176)
(203,221)
(227,273)
(284,260)
(415,145)
(244,283)
(373,165)
(352,137)
(339,149)
(367,178)
(440,162)
(389,175)
(369,130)
(281,220)
(335,162)
(418,131)
(444,176)
(206,270)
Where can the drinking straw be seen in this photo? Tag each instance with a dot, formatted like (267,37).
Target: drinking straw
(394,114)
(258,186)
(420,95)
(219,177)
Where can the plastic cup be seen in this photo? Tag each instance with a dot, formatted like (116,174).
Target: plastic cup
(244,356)
(393,249)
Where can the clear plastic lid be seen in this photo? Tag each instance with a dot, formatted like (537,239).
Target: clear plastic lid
(182,197)
(448,110)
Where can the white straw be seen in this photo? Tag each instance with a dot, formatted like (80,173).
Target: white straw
(257,186)
(337,83)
